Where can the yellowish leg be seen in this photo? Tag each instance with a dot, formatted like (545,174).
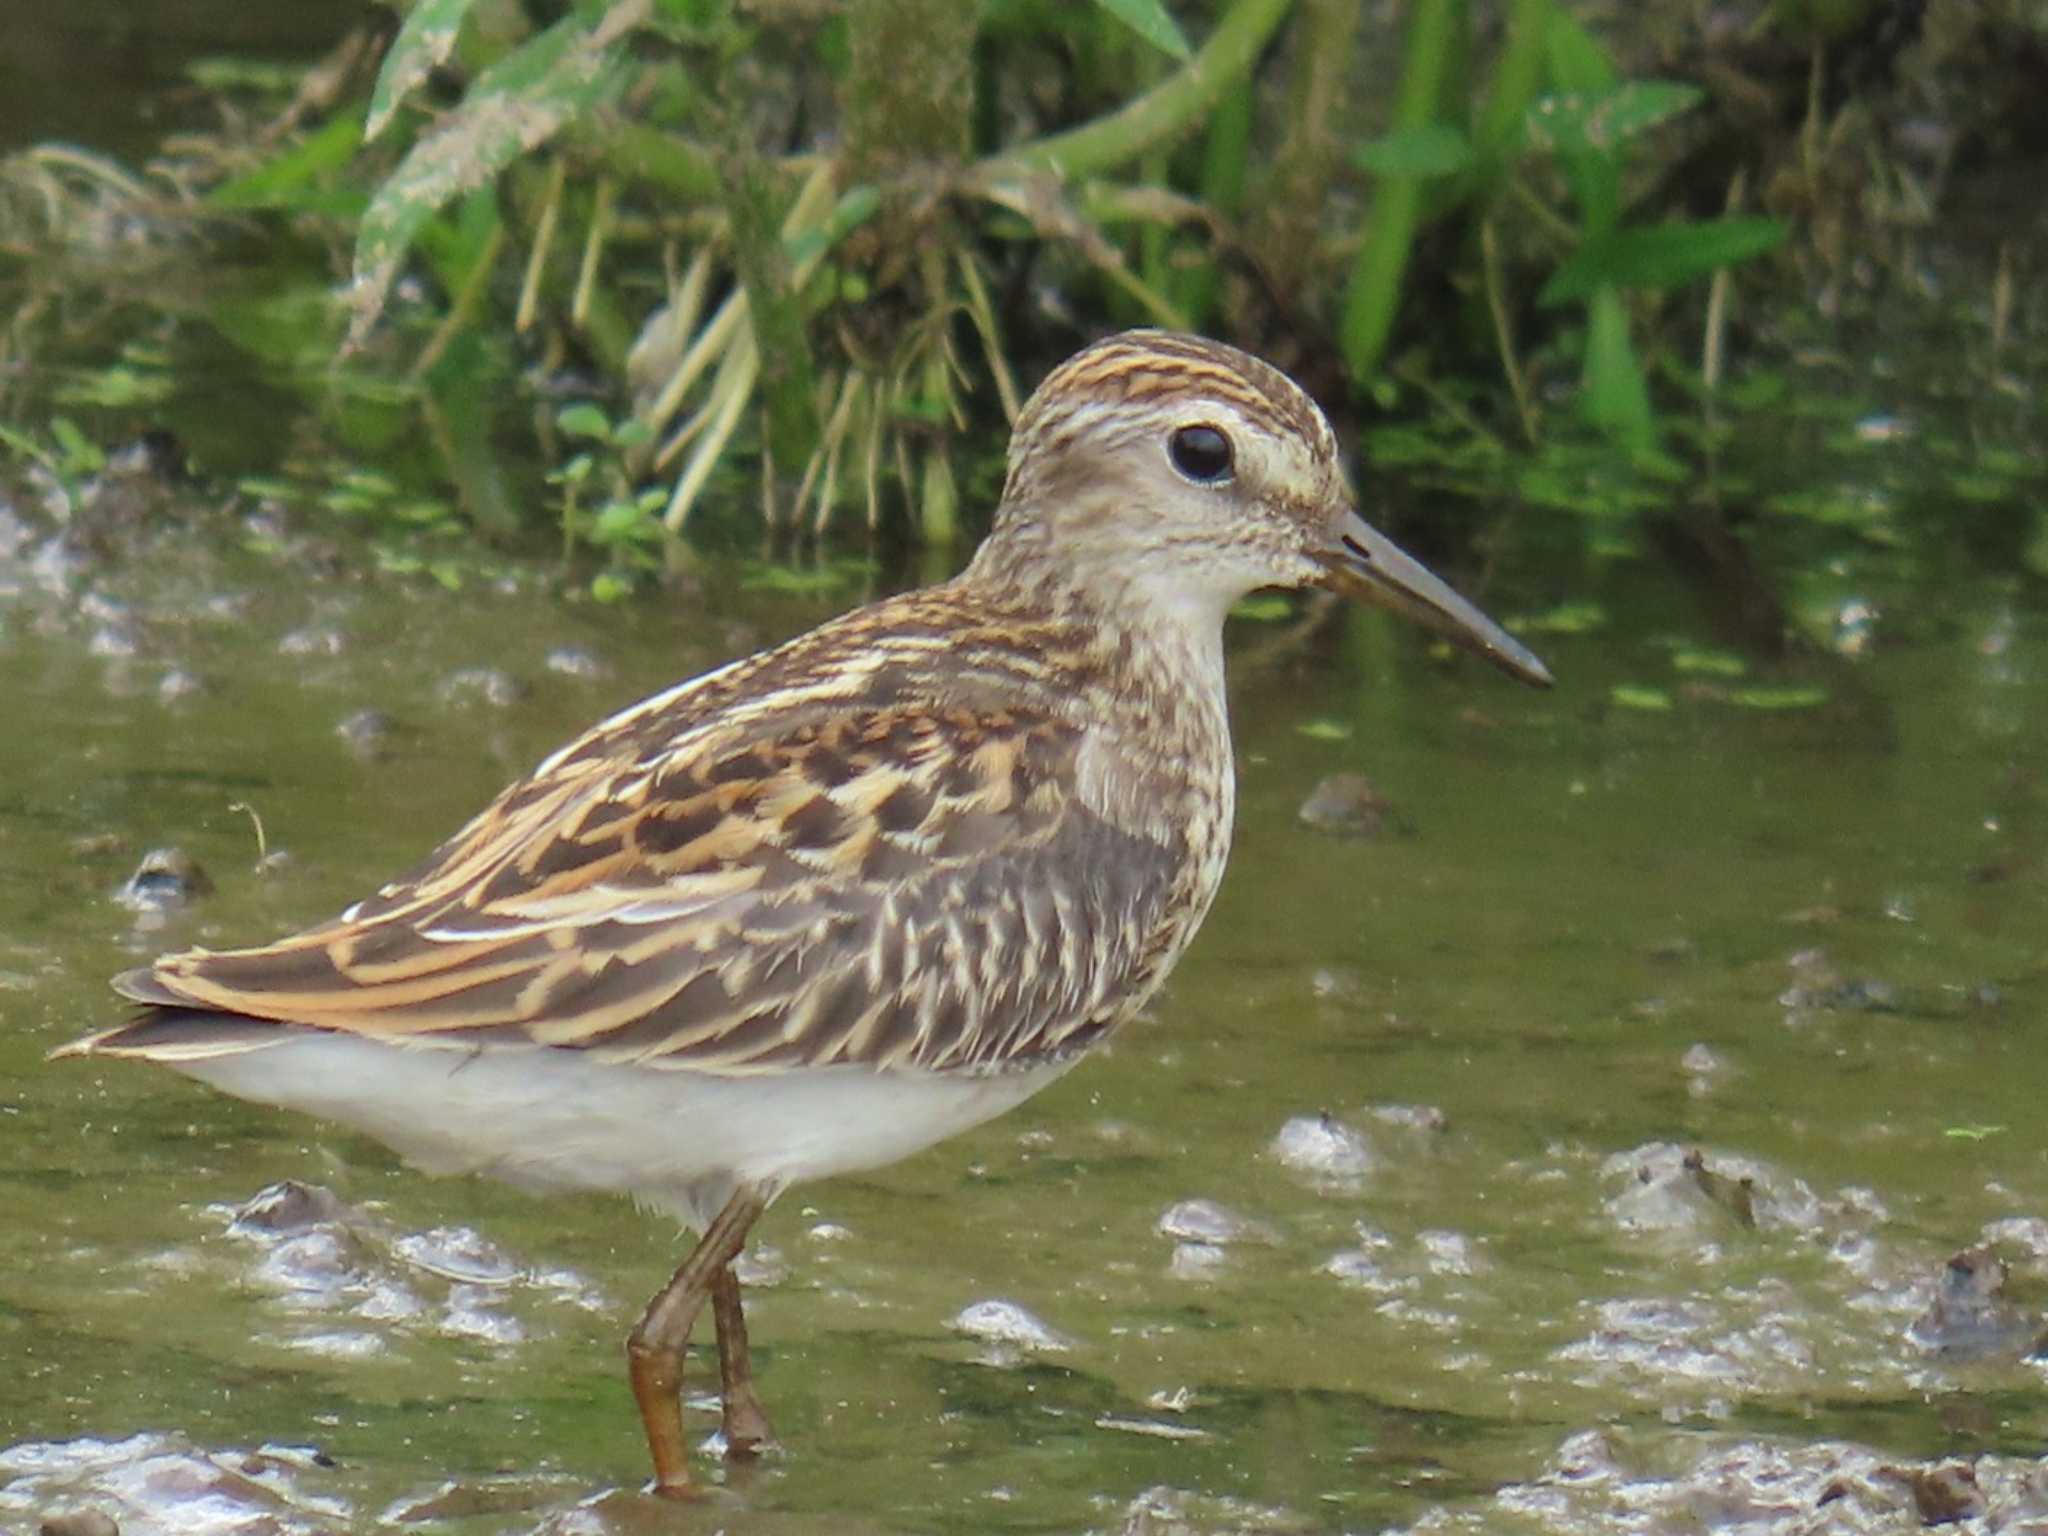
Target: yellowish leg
(654,1349)
(746,1422)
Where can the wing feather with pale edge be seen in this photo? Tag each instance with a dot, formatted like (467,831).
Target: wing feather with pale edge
(887,884)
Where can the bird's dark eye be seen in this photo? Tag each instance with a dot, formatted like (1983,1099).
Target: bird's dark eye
(1200,453)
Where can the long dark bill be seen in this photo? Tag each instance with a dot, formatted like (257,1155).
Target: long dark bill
(1363,563)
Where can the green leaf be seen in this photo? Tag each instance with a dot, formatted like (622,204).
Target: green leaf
(81,455)
(1637,696)
(1576,59)
(835,576)
(1324,730)
(1149,19)
(1572,121)
(855,207)
(1658,256)
(452,245)
(1779,698)
(116,389)
(583,420)
(1709,663)
(284,181)
(218,76)
(1565,619)
(513,107)
(422,45)
(1427,149)
(618,521)
(1613,393)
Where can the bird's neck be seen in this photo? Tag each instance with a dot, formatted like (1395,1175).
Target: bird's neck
(1134,658)
(1139,626)
(1163,610)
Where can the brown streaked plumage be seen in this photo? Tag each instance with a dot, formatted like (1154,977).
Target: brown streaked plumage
(837,900)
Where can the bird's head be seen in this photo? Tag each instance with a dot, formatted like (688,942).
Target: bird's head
(1209,473)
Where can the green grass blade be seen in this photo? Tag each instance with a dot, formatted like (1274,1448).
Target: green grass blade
(1659,256)
(422,45)
(1425,150)
(1432,49)
(1151,21)
(513,107)
(1571,122)
(296,179)
(1615,396)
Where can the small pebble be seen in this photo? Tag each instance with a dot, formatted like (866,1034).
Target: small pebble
(1197,1261)
(313,640)
(177,685)
(1412,1117)
(366,732)
(461,1254)
(1883,429)
(114,640)
(1347,803)
(1448,1253)
(388,1302)
(1702,1060)
(471,1314)
(1337,984)
(1323,1148)
(339,1344)
(166,877)
(1945,1494)
(311,1268)
(157,453)
(1362,1271)
(79,1522)
(1005,1323)
(575,661)
(102,609)
(760,1266)
(482,685)
(1970,1317)
(1204,1221)
(287,1206)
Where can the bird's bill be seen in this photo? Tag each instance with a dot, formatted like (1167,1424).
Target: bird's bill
(1363,563)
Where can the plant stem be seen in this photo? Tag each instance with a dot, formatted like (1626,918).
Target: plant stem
(909,92)
(1195,282)
(637,152)
(1307,158)
(1221,64)
(1435,45)
(755,202)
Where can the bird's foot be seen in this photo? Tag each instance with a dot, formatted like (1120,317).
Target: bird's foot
(746,1426)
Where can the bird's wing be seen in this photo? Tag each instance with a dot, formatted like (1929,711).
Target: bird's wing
(882,884)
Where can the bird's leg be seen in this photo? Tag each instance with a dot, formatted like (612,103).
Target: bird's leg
(654,1349)
(746,1423)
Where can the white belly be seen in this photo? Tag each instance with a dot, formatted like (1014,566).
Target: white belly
(550,1119)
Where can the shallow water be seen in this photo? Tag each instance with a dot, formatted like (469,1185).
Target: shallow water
(1583,1151)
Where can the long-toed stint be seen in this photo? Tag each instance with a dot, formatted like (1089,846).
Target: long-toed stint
(828,904)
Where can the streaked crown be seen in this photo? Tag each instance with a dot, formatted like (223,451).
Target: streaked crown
(1187,452)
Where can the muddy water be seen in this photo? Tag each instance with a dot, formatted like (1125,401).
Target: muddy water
(1584,1150)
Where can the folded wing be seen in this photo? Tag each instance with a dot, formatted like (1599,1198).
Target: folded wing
(894,886)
